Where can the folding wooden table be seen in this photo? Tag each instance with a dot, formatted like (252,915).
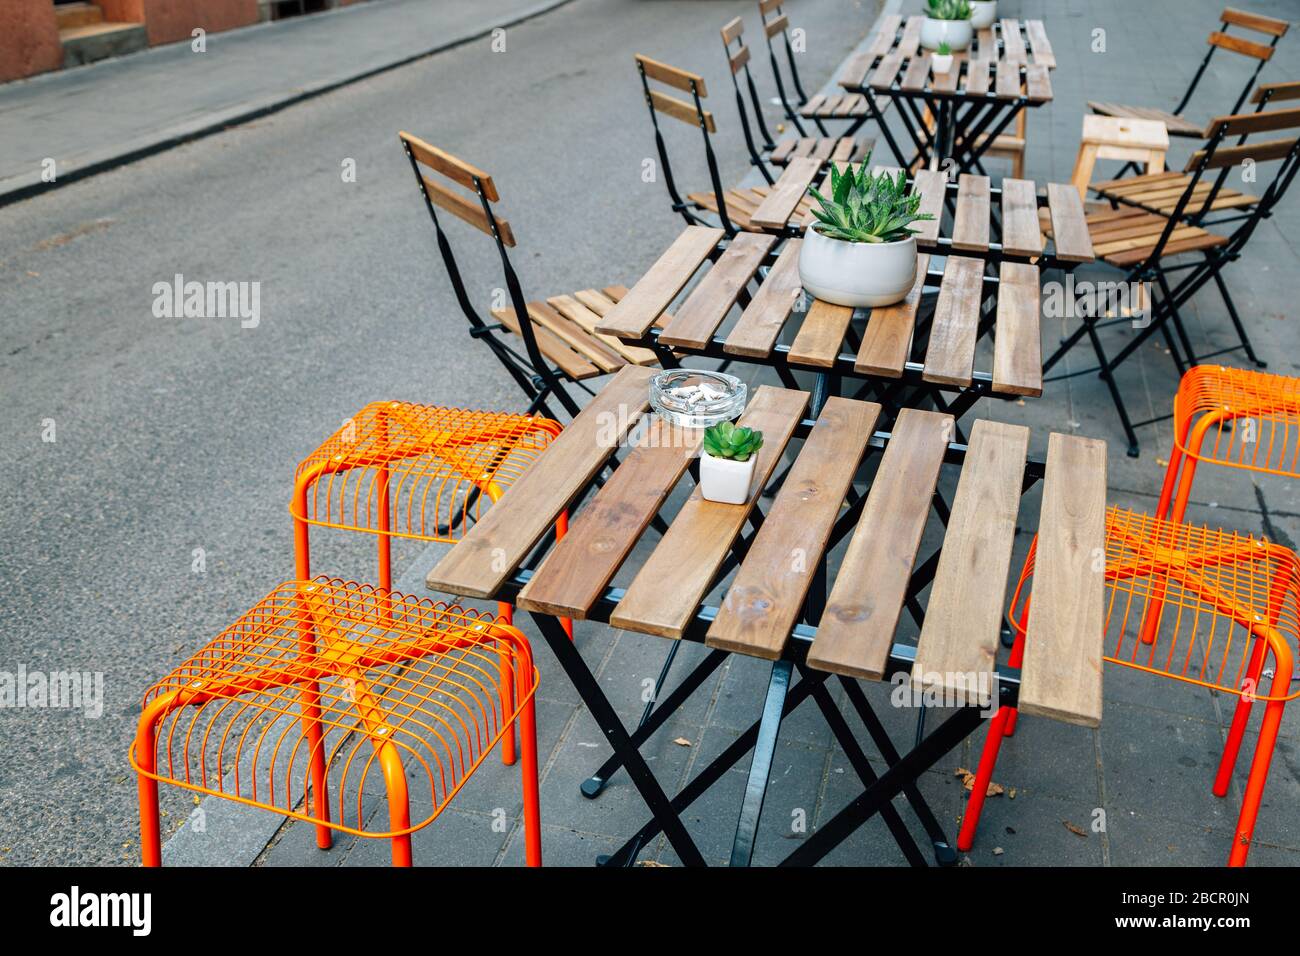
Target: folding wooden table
(1005,71)
(979,273)
(782,604)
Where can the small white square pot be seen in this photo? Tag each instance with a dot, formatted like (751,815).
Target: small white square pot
(941,63)
(725,479)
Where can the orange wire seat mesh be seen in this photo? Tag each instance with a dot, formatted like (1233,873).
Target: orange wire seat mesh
(1187,602)
(431,469)
(1255,418)
(384,672)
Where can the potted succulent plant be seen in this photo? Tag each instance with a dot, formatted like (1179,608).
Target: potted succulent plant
(941,60)
(946,21)
(727,462)
(861,251)
(983,13)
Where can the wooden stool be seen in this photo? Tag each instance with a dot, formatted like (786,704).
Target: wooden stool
(1112,137)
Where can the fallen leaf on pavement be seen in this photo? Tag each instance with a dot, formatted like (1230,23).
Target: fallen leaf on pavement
(682,742)
(1077,831)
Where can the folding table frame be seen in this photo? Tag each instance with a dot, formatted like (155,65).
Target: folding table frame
(497,559)
(971,105)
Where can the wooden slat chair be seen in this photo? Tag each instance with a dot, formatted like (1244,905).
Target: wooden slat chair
(1269,28)
(326,695)
(829,148)
(733,207)
(559,344)
(1191,604)
(842,107)
(1144,244)
(1159,192)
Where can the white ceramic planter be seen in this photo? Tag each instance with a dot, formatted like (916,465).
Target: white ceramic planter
(956,33)
(725,479)
(860,274)
(983,13)
(941,63)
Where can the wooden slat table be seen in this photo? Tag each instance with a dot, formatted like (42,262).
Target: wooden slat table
(976,275)
(783,603)
(955,115)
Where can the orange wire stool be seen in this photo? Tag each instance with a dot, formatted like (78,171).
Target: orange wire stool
(331,686)
(396,469)
(1193,604)
(1233,417)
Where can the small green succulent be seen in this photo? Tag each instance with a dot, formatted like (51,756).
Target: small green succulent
(947,9)
(867,208)
(944,49)
(725,440)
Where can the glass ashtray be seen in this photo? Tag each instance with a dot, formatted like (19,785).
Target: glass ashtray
(694,398)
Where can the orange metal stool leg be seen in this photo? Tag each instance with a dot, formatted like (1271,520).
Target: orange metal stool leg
(1240,718)
(309,702)
(529,772)
(146,786)
(399,803)
(1263,749)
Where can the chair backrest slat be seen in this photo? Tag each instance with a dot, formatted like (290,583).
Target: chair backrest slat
(1255,21)
(1260,51)
(451,167)
(1227,156)
(739,59)
(1242,124)
(672,76)
(463,208)
(734,28)
(776,25)
(680,109)
(1274,92)
(767,6)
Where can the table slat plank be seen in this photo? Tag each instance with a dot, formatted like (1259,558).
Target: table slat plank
(674,579)
(1039,43)
(887,339)
(1061,676)
(502,537)
(582,563)
(1038,83)
(857,628)
(1006,83)
(977,77)
(1069,224)
(759,325)
(917,73)
(767,594)
(775,211)
(821,335)
(957,650)
(1013,44)
(1017,348)
(910,41)
(882,41)
(632,317)
(886,70)
(931,184)
(712,298)
(950,356)
(970,229)
(1021,233)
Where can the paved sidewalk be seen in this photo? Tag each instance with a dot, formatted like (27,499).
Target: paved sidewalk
(1134,792)
(89,119)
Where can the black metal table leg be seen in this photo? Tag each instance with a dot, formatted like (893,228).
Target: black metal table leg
(906,771)
(760,766)
(580,676)
(656,714)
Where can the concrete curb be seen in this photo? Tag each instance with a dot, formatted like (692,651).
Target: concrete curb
(24,187)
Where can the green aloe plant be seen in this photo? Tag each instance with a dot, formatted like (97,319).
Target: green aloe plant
(944,49)
(947,9)
(867,208)
(726,440)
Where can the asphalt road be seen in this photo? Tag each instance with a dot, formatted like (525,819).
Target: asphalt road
(178,434)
